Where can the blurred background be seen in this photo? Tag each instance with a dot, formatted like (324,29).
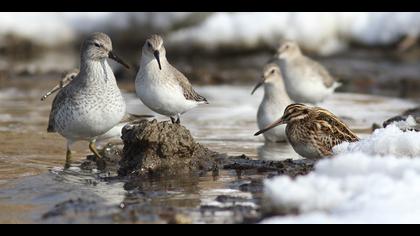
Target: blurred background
(375,53)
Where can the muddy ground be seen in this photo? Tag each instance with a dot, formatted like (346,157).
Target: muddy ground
(158,155)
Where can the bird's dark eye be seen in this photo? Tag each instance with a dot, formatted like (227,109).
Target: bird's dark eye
(272,71)
(149,44)
(97,45)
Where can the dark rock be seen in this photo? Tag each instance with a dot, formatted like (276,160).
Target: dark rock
(394,119)
(376,126)
(230,199)
(415,113)
(152,147)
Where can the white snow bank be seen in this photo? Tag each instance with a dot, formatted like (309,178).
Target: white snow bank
(388,141)
(46,28)
(374,180)
(322,32)
(352,188)
(52,28)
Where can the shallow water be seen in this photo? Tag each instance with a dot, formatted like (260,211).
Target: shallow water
(32,181)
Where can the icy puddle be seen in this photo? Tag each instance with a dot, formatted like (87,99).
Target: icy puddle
(34,188)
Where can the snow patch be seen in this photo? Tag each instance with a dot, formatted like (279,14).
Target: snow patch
(388,141)
(322,32)
(352,188)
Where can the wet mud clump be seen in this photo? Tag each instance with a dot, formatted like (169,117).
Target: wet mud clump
(288,167)
(152,147)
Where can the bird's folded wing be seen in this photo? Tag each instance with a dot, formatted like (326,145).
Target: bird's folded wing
(189,92)
(58,102)
(327,79)
(332,130)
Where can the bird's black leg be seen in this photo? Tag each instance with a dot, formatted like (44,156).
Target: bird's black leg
(173,120)
(178,120)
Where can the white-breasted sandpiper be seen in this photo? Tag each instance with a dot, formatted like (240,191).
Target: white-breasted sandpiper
(274,102)
(91,104)
(160,86)
(306,80)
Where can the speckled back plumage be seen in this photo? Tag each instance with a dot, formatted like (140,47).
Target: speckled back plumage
(320,129)
(331,131)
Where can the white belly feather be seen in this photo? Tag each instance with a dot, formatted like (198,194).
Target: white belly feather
(266,115)
(165,97)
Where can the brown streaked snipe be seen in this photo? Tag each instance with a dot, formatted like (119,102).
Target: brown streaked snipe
(312,131)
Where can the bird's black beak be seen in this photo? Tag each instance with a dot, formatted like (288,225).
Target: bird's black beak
(157,56)
(114,57)
(275,124)
(258,85)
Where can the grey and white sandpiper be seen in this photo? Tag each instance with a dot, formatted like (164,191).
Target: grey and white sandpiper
(274,102)
(306,80)
(113,133)
(160,86)
(91,104)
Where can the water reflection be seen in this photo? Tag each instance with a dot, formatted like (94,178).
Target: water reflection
(277,152)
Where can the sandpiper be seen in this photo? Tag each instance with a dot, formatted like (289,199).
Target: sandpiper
(91,104)
(312,131)
(112,133)
(67,78)
(160,86)
(274,102)
(306,80)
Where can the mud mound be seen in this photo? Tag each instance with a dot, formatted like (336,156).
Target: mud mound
(151,147)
